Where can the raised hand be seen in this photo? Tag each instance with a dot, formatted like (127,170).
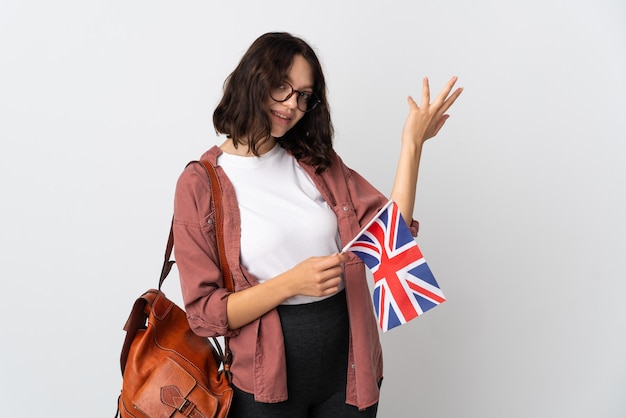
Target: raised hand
(423,122)
(426,119)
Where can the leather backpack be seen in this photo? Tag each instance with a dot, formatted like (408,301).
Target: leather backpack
(168,370)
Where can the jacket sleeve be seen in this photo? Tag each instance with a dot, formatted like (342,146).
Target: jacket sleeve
(195,252)
(367,200)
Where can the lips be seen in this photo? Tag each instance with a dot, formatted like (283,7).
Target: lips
(281,117)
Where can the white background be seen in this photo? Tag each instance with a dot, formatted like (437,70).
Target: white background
(521,197)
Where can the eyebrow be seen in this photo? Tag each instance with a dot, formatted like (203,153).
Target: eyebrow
(306,88)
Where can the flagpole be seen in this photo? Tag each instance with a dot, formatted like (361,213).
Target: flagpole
(348,245)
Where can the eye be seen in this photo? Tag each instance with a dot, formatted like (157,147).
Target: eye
(305,95)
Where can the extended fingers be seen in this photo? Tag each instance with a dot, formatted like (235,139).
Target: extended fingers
(412,104)
(425,92)
(446,90)
(445,99)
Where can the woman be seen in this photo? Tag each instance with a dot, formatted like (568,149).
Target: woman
(303,332)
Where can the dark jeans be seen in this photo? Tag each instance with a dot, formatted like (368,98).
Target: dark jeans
(316,346)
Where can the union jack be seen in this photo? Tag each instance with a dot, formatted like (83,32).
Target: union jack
(404,286)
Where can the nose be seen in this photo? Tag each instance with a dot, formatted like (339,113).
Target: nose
(292,102)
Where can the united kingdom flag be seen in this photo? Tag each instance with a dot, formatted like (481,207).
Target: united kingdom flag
(404,286)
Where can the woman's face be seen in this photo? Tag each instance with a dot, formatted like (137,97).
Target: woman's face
(284,115)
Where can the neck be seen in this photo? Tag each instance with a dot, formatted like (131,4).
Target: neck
(244,151)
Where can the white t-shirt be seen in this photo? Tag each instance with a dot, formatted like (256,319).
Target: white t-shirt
(284,218)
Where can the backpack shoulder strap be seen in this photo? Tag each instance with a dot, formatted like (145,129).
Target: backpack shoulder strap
(216,192)
(216,197)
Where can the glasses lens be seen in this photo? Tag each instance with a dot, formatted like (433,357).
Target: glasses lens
(281,93)
(307,101)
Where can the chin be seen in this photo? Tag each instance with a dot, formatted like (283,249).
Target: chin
(279,133)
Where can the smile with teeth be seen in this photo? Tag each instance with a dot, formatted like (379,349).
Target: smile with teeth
(284,117)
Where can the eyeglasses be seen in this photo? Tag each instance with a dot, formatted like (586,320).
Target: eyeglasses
(307,100)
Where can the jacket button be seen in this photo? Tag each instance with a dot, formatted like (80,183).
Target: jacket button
(345,208)
(210,221)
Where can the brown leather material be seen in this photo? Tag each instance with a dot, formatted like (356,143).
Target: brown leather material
(229,281)
(218,208)
(168,370)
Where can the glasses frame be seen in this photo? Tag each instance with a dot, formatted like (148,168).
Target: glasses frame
(311,103)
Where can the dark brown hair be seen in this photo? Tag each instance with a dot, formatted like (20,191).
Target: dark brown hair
(241,114)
